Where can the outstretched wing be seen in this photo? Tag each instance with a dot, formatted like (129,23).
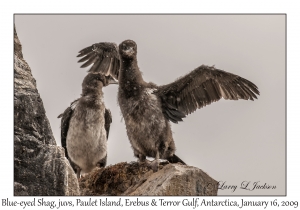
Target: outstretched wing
(65,121)
(108,121)
(201,87)
(104,56)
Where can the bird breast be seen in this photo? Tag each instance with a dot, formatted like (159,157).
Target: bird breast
(144,120)
(86,139)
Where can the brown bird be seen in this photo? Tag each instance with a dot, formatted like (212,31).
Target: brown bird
(85,126)
(148,108)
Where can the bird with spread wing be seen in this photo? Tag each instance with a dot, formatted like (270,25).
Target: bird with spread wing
(148,108)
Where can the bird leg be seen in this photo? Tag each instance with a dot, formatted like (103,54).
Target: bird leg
(155,163)
(78,170)
(75,167)
(142,159)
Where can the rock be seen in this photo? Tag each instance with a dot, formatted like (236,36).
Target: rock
(40,166)
(135,180)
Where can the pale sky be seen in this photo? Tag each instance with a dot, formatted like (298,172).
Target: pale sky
(232,141)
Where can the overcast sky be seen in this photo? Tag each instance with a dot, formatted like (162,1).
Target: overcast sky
(232,141)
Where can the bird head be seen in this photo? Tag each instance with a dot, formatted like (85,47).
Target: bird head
(97,80)
(128,49)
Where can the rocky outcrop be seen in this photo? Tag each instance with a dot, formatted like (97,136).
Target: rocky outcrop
(134,179)
(40,166)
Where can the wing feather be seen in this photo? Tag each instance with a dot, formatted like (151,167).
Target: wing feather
(91,60)
(85,51)
(104,66)
(103,57)
(201,87)
(95,66)
(65,122)
(87,57)
(108,121)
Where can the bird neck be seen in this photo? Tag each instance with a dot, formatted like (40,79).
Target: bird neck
(130,72)
(92,93)
(92,98)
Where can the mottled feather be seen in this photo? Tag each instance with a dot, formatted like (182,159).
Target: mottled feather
(201,87)
(103,57)
(65,121)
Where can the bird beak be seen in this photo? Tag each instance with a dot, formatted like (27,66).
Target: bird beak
(130,51)
(112,80)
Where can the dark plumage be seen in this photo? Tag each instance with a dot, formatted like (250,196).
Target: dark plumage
(85,126)
(148,108)
(103,56)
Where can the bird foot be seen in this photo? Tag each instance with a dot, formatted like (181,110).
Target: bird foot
(154,165)
(99,165)
(144,162)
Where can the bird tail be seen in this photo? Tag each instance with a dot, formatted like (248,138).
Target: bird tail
(175,159)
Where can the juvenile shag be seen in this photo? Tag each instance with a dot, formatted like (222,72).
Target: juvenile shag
(148,108)
(85,126)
